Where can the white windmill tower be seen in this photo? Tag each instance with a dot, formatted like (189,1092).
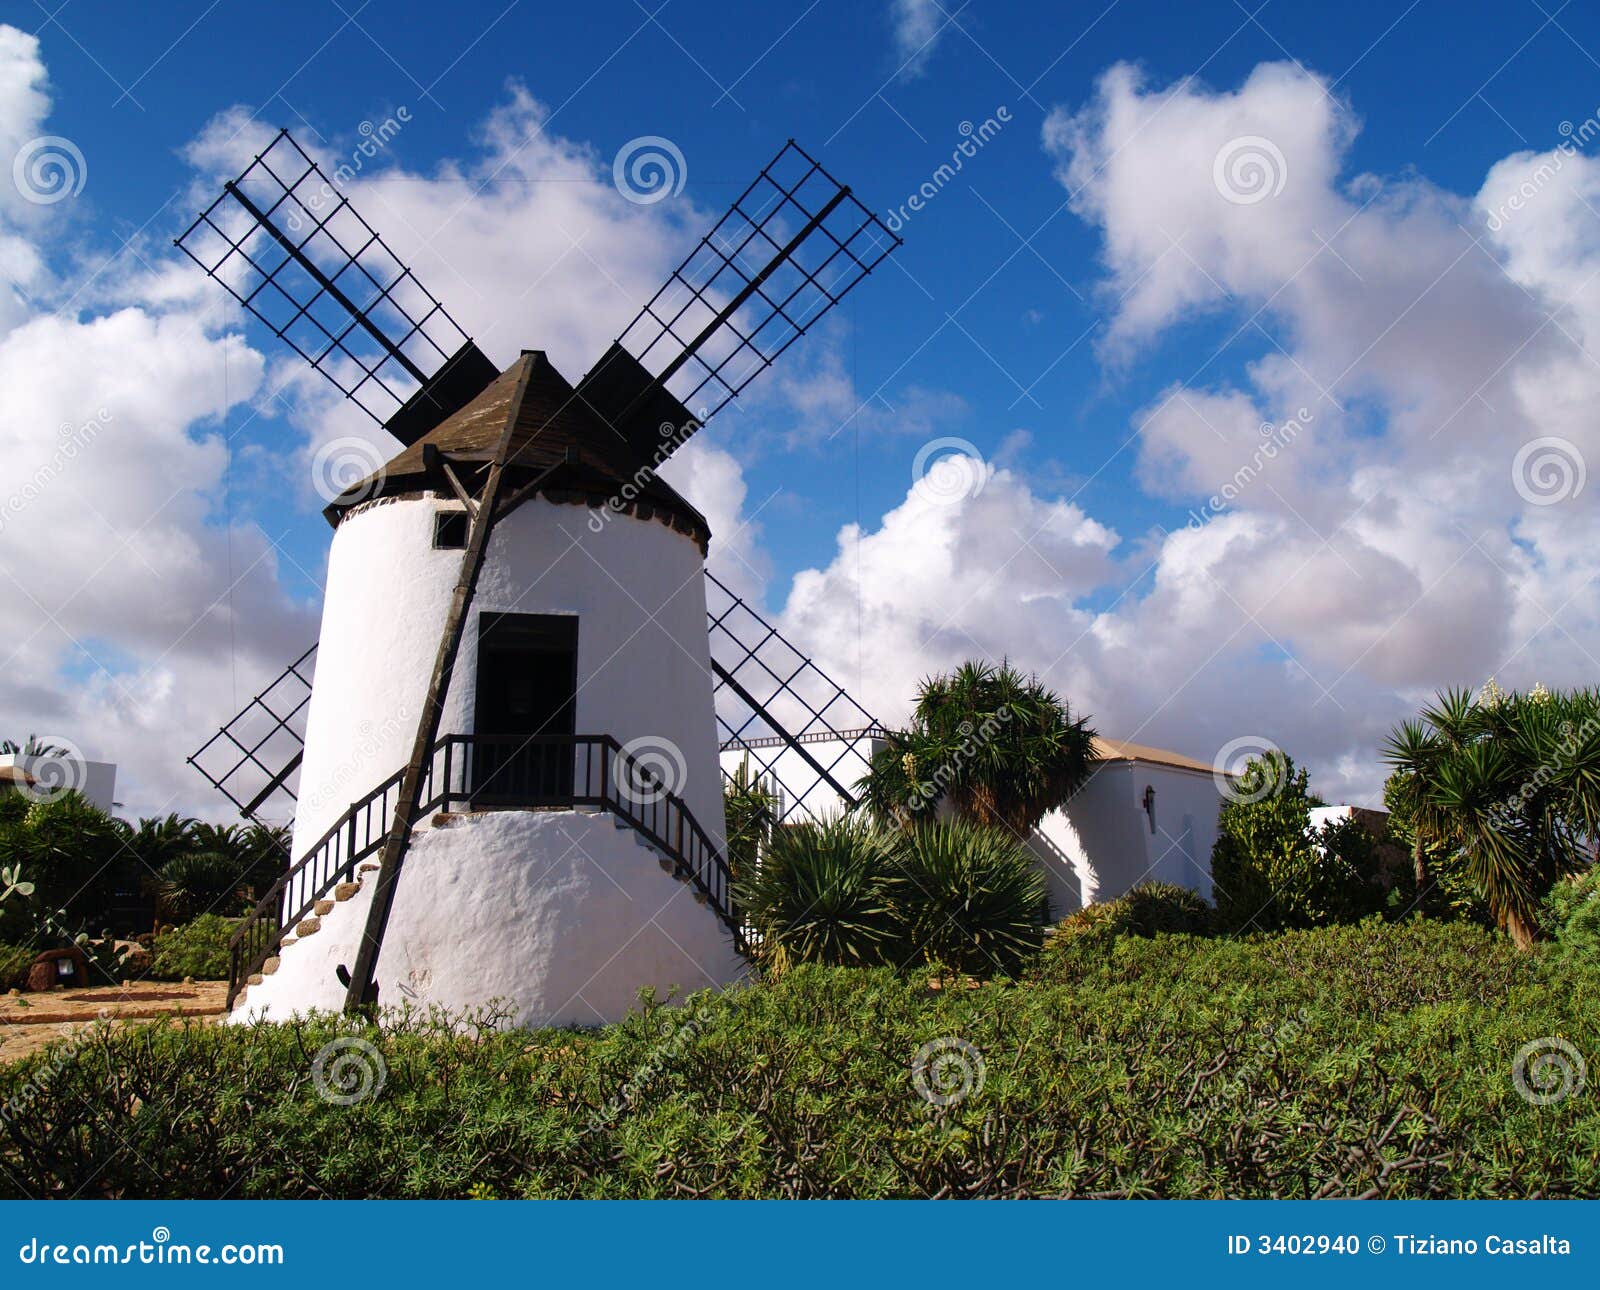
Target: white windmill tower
(509,785)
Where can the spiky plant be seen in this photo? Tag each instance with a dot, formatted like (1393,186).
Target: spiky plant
(749,810)
(971,898)
(205,882)
(994,743)
(1511,785)
(823,893)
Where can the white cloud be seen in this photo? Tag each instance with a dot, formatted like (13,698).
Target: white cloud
(918,27)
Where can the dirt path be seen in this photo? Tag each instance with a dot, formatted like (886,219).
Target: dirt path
(30,1020)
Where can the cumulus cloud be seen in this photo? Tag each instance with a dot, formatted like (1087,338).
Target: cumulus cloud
(1404,346)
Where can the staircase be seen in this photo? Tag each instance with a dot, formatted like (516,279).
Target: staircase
(484,772)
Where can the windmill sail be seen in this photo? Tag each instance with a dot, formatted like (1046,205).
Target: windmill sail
(796,728)
(785,253)
(287,244)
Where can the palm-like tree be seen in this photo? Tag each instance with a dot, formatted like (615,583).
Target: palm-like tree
(1511,784)
(1000,747)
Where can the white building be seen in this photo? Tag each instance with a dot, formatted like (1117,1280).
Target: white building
(526,882)
(95,780)
(1144,814)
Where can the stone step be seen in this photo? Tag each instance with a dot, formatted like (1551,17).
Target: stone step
(270,966)
(307,927)
(255,978)
(286,941)
(345,890)
(367,868)
(322,907)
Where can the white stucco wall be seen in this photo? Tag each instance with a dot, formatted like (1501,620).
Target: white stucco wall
(559,914)
(1100,844)
(637,588)
(96,781)
(813,795)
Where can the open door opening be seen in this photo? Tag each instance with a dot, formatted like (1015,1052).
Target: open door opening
(525,709)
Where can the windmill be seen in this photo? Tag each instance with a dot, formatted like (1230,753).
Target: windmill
(474,774)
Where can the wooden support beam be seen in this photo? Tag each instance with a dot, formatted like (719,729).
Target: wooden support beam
(361,991)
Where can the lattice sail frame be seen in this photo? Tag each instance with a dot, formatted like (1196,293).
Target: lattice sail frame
(801,728)
(253,760)
(793,211)
(804,737)
(287,245)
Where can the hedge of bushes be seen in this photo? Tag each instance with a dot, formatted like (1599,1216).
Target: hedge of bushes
(1363,1060)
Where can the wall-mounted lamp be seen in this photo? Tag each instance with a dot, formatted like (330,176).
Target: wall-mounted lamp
(1150,805)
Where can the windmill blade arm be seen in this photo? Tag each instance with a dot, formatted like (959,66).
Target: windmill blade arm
(286,243)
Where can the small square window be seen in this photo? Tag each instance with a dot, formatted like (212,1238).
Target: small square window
(450,530)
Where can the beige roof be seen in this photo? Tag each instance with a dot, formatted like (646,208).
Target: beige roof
(1121,750)
(14,775)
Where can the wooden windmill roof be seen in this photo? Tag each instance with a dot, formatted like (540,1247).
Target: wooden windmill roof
(549,420)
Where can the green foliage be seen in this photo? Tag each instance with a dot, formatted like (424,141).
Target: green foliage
(997,745)
(1571,915)
(1271,869)
(1343,1061)
(201,882)
(1150,909)
(198,949)
(850,892)
(969,898)
(71,851)
(15,960)
(1510,785)
(748,809)
(823,893)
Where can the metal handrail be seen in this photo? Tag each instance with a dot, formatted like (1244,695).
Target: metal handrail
(492,772)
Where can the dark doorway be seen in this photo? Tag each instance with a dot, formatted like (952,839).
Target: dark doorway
(527,698)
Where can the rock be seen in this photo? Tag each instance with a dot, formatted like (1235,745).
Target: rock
(345,890)
(47,974)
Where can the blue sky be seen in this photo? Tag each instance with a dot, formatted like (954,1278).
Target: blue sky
(996,324)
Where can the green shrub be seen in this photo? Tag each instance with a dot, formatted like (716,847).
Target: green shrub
(15,960)
(198,949)
(1571,915)
(1272,870)
(971,898)
(823,894)
(1373,1059)
(1150,909)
